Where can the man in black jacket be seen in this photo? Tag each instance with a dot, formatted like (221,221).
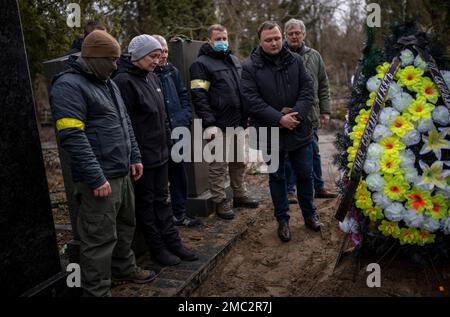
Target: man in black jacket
(93,127)
(216,95)
(278,92)
(143,97)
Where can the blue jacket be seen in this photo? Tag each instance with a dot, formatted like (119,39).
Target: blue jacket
(176,97)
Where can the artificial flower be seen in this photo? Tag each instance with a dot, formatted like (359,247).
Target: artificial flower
(439,209)
(409,76)
(432,175)
(394,212)
(387,115)
(382,69)
(446,75)
(394,90)
(390,164)
(430,225)
(418,200)
(352,153)
(424,125)
(446,226)
(381,200)
(412,137)
(395,189)
(363,200)
(357,132)
(389,228)
(373,83)
(420,63)
(407,158)
(401,101)
(375,151)
(381,132)
(441,115)
(400,126)
(408,236)
(424,237)
(370,102)
(420,109)
(349,225)
(374,213)
(435,142)
(375,182)
(428,89)
(413,219)
(410,174)
(392,145)
(407,57)
(371,166)
(363,117)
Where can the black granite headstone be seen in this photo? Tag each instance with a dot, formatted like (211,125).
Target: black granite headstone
(28,248)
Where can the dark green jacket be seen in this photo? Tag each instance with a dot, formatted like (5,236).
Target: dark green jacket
(316,68)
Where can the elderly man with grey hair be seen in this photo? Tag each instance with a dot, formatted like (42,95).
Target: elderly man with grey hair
(295,33)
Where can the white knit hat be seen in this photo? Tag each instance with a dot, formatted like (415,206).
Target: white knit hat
(142,45)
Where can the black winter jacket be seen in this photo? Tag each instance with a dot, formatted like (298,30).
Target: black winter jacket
(268,87)
(143,97)
(92,126)
(215,88)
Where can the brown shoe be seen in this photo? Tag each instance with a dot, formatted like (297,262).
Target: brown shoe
(323,193)
(284,233)
(224,210)
(138,276)
(313,223)
(292,198)
(245,202)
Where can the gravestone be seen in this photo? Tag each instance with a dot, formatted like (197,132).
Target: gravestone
(29,255)
(182,55)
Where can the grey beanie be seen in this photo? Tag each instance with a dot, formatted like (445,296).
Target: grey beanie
(142,45)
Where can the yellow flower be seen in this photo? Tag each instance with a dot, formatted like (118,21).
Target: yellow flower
(351,153)
(371,100)
(389,228)
(427,88)
(424,237)
(357,132)
(408,236)
(400,126)
(363,198)
(382,69)
(420,109)
(409,77)
(419,201)
(392,145)
(363,117)
(438,209)
(390,164)
(395,188)
(374,213)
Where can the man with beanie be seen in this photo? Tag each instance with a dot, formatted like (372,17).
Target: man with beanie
(94,128)
(143,97)
(179,114)
(216,95)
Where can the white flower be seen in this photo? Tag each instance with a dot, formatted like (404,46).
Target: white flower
(407,57)
(407,158)
(429,224)
(444,193)
(381,132)
(411,174)
(387,115)
(401,101)
(381,200)
(375,151)
(412,137)
(446,76)
(420,63)
(441,115)
(373,84)
(413,219)
(371,166)
(394,90)
(375,182)
(425,125)
(446,225)
(349,225)
(394,212)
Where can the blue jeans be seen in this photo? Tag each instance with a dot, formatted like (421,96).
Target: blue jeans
(301,161)
(319,183)
(178,188)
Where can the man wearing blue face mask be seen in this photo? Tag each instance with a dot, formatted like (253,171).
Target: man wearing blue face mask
(216,96)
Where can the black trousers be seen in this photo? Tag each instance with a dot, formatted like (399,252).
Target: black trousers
(153,212)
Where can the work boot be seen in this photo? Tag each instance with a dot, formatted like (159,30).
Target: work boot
(323,193)
(224,210)
(245,202)
(165,257)
(284,233)
(187,221)
(292,198)
(138,276)
(184,253)
(313,223)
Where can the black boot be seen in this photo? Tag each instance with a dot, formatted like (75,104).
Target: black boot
(184,253)
(165,257)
